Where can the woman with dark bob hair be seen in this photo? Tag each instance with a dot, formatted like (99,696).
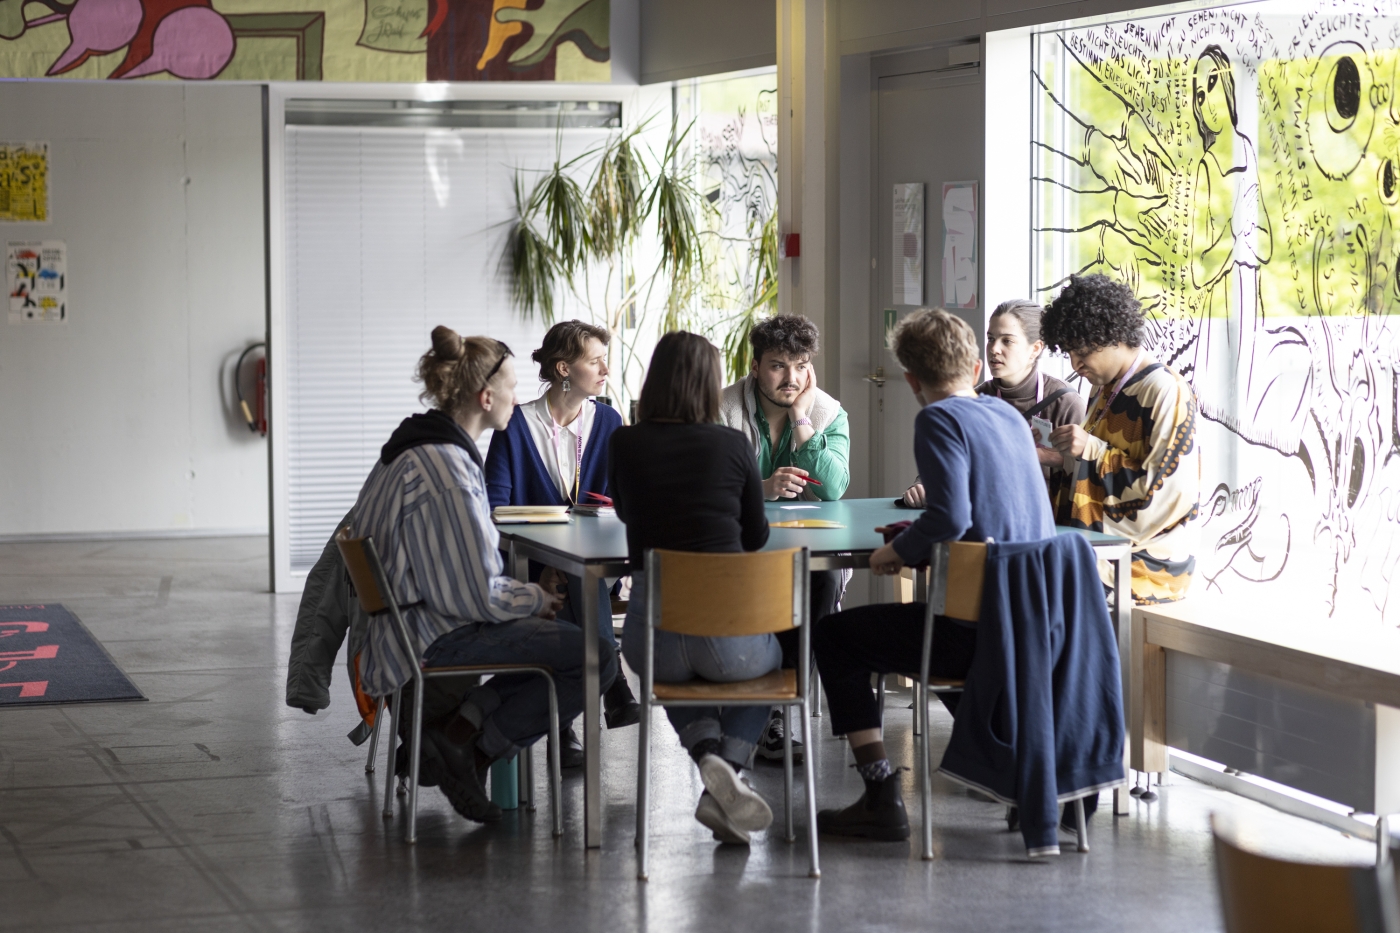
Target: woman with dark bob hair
(555,452)
(683,482)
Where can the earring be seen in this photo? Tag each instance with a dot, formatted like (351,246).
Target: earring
(567,386)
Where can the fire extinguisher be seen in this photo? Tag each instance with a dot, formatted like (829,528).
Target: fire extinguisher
(256,413)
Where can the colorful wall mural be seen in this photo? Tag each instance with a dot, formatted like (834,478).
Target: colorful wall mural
(307,40)
(1239,167)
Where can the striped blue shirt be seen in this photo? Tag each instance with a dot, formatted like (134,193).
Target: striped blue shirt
(428,514)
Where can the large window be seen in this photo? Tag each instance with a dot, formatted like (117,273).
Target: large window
(1238,167)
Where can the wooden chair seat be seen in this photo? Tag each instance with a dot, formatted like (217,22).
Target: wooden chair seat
(776,685)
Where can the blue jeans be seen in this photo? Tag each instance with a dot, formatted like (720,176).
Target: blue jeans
(512,710)
(679,658)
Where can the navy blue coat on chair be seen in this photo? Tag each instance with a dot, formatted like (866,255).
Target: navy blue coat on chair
(1040,721)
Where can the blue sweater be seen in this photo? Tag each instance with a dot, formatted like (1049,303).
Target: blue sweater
(516,474)
(1040,721)
(981,478)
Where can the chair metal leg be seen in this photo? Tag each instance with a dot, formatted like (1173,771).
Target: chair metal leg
(525,778)
(814,696)
(814,870)
(556,778)
(643,779)
(880,702)
(1382,841)
(921,715)
(414,753)
(392,743)
(787,771)
(374,735)
(1081,827)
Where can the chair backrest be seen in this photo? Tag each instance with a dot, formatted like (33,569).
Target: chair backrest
(1261,894)
(957,570)
(361,560)
(728,594)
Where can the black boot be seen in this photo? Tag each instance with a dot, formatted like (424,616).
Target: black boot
(878,814)
(571,754)
(461,777)
(620,706)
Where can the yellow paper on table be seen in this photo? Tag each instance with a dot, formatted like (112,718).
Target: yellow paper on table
(807,523)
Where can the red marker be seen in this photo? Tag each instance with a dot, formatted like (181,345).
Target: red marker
(810,480)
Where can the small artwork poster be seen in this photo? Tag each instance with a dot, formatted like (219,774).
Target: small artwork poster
(908,244)
(36,277)
(24,182)
(960,244)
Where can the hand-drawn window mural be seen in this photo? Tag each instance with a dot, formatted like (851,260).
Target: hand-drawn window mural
(1238,168)
(332,40)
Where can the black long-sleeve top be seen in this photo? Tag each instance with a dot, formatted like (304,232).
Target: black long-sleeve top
(686,487)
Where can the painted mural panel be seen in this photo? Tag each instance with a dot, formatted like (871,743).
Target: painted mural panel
(1239,167)
(307,40)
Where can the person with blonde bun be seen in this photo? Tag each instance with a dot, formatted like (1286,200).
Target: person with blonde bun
(425,504)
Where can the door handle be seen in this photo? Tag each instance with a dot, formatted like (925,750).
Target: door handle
(877,377)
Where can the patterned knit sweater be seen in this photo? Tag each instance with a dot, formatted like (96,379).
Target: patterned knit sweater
(1139,477)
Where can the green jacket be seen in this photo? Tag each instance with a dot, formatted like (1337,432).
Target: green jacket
(826,455)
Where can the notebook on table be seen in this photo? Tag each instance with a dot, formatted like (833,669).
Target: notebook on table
(530,514)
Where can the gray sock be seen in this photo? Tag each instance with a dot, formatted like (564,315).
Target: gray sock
(876,771)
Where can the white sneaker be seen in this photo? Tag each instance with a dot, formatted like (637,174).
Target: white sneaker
(746,810)
(712,816)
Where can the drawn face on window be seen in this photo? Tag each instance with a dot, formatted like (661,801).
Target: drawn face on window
(1209,87)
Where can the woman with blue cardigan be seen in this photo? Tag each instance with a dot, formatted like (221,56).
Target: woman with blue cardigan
(555,452)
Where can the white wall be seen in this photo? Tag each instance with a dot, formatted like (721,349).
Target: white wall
(117,421)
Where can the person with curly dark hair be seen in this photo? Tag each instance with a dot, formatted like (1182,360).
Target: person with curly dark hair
(802,440)
(1134,467)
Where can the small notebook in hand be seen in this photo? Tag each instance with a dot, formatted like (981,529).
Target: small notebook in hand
(893,530)
(594,504)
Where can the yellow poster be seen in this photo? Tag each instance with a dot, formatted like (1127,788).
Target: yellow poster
(24,182)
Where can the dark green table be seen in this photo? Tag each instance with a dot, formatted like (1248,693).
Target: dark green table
(591,548)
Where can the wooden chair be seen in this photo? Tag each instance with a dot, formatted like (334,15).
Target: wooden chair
(957,570)
(715,595)
(376,598)
(1260,894)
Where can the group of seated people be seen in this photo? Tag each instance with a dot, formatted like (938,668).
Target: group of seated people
(693,474)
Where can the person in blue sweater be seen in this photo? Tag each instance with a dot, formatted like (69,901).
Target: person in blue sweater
(981,480)
(555,452)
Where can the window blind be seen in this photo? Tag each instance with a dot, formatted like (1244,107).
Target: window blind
(390,232)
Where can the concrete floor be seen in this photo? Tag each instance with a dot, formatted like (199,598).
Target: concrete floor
(216,807)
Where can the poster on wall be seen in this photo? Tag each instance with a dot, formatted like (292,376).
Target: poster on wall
(36,277)
(330,40)
(908,244)
(24,182)
(960,244)
(1239,169)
